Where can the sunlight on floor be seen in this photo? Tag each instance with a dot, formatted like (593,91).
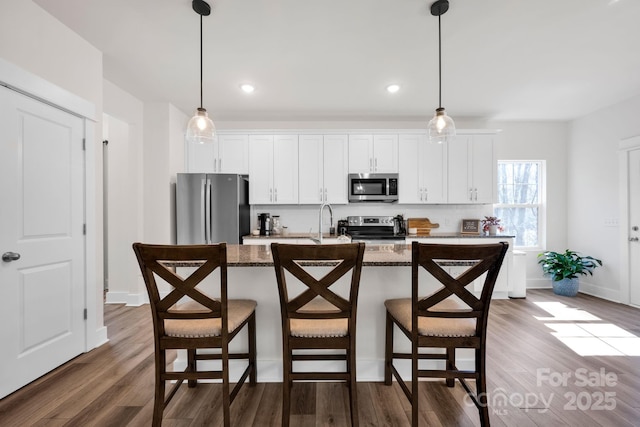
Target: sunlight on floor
(588,339)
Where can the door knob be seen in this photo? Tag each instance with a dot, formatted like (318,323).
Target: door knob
(631,239)
(10,256)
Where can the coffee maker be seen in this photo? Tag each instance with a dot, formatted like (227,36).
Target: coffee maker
(264,221)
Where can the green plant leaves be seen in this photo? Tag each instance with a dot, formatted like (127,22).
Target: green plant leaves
(567,265)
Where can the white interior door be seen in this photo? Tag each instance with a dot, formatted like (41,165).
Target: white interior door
(43,291)
(634,227)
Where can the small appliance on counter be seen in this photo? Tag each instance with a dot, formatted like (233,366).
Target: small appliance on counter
(264,222)
(342,226)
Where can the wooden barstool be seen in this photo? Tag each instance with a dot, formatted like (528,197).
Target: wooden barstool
(451,317)
(189,319)
(318,318)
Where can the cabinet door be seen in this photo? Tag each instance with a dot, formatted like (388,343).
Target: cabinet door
(459,190)
(233,154)
(360,153)
(201,158)
(310,169)
(409,169)
(285,169)
(261,170)
(483,169)
(385,153)
(433,161)
(336,169)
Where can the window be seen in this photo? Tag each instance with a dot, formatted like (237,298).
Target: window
(521,200)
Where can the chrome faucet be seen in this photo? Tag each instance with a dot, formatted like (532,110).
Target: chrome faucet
(320,220)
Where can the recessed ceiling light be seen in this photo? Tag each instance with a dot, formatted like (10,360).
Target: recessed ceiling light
(393,88)
(247,88)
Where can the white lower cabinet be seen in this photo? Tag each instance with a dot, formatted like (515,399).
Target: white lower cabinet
(266,241)
(273,169)
(501,288)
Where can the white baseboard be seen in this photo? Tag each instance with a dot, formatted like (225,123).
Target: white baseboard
(133,300)
(585,288)
(538,284)
(600,292)
(99,337)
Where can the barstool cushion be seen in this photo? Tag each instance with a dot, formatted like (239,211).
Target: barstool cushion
(319,328)
(238,311)
(400,309)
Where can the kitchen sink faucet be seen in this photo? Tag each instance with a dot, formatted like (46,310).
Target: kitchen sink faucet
(320,220)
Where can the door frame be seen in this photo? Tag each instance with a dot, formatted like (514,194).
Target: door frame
(624,147)
(33,86)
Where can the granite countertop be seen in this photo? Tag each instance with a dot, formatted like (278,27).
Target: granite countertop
(260,256)
(408,236)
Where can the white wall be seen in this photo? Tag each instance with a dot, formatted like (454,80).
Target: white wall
(124,218)
(38,43)
(164,127)
(593,190)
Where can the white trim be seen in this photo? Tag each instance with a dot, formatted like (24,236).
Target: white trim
(29,84)
(36,87)
(600,292)
(624,147)
(132,300)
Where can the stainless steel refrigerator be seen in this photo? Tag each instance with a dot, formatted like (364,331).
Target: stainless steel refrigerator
(211,208)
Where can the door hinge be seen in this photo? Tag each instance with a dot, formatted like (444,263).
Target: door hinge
(84,229)
(85,314)
(84,144)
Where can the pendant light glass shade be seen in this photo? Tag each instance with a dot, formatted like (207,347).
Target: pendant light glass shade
(441,127)
(200,129)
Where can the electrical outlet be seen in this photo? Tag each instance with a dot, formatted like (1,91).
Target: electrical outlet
(611,222)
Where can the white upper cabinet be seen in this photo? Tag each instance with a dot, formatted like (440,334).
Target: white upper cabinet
(273,169)
(228,154)
(322,169)
(373,153)
(471,169)
(233,154)
(422,170)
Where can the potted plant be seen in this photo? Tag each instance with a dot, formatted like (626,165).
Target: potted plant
(492,225)
(564,269)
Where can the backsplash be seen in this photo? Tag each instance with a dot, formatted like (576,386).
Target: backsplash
(304,218)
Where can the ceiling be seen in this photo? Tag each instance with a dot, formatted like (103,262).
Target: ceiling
(332,59)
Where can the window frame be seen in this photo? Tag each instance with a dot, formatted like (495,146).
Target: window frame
(541,205)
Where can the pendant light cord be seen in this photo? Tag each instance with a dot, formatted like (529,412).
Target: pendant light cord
(201,61)
(439,64)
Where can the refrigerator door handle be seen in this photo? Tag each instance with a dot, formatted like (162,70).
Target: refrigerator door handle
(207,211)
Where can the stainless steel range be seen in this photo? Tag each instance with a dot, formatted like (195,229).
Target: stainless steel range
(376,229)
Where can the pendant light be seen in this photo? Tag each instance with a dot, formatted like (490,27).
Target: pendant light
(200,128)
(441,127)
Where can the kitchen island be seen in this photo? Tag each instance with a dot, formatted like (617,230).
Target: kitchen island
(386,274)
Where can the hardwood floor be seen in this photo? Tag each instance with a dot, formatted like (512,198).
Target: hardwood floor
(534,379)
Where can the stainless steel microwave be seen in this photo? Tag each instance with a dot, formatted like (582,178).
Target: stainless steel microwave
(373,187)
